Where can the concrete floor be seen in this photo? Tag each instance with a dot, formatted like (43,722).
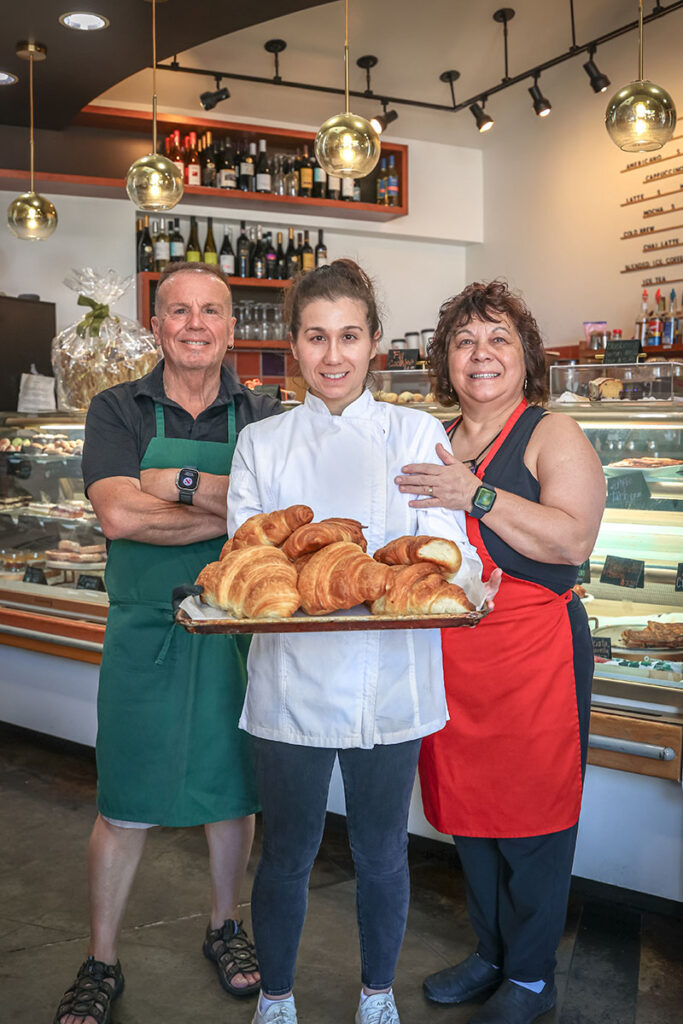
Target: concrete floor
(616,965)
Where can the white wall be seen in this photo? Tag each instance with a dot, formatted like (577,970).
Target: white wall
(552,189)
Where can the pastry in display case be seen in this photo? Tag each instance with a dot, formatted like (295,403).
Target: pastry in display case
(403,387)
(49,533)
(649,381)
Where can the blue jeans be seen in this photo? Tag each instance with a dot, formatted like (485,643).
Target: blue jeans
(294,782)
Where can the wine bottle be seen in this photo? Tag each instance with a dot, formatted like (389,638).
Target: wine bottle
(333,186)
(392,183)
(162,248)
(138,236)
(246,178)
(262,171)
(320,251)
(291,177)
(242,252)
(307,254)
(258,260)
(306,174)
(291,256)
(176,242)
(356,191)
(382,183)
(210,251)
(145,249)
(209,164)
(319,180)
(347,189)
(278,180)
(280,260)
(176,153)
(226,257)
(228,178)
(271,257)
(194,253)
(193,171)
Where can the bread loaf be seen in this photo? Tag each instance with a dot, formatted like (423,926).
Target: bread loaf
(604,387)
(409,550)
(271,527)
(251,583)
(338,576)
(420,589)
(314,536)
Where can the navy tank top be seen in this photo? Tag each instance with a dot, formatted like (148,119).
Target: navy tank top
(507,471)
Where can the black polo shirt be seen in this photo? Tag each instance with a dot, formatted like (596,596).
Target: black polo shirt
(121,421)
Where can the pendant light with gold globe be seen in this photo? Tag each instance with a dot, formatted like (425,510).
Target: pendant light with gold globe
(641,117)
(347,146)
(31,216)
(153,182)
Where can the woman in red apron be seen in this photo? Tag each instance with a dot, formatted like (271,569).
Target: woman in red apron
(504,777)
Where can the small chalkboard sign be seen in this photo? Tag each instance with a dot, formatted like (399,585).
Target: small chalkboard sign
(583,574)
(623,350)
(679,578)
(628,491)
(602,647)
(402,358)
(623,572)
(34,574)
(86,582)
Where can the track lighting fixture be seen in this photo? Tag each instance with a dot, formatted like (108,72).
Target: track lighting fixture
(599,82)
(209,100)
(484,122)
(380,121)
(542,106)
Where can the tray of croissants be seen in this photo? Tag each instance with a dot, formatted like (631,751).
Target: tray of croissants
(283,572)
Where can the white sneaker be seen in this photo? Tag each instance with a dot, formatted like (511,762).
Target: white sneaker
(281,1012)
(378,1009)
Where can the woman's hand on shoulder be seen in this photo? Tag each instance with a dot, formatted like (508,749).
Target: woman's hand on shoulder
(450,485)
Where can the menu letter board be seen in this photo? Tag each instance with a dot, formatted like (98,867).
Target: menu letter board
(628,491)
(624,350)
(602,647)
(402,358)
(623,572)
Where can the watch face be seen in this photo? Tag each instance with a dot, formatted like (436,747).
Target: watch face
(188,479)
(484,498)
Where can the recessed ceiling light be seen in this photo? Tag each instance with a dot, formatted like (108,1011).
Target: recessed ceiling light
(83,21)
(6,78)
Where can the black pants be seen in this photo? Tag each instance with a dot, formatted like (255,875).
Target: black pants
(517,889)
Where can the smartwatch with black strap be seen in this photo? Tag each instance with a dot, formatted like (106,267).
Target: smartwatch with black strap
(187,482)
(483,501)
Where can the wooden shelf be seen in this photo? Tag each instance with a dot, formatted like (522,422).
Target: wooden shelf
(146,281)
(251,344)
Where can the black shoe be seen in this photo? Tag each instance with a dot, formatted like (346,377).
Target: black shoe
(463,982)
(512,1004)
(91,995)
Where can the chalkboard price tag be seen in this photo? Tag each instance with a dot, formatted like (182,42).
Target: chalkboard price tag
(584,572)
(679,578)
(622,351)
(402,358)
(628,491)
(602,647)
(34,574)
(86,582)
(623,572)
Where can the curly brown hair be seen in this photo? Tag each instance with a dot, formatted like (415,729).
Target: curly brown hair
(487,302)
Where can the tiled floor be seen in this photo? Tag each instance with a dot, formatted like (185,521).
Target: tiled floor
(616,965)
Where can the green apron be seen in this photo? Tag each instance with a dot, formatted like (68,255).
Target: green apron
(169,751)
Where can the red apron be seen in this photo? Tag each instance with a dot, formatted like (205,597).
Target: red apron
(508,762)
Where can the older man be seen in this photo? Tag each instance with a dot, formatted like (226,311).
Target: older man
(156,461)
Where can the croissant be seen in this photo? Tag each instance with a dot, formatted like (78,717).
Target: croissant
(251,583)
(408,550)
(340,575)
(227,548)
(314,536)
(271,527)
(420,589)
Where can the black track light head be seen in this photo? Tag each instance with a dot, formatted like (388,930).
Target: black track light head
(542,106)
(599,82)
(380,121)
(484,122)
(209,100)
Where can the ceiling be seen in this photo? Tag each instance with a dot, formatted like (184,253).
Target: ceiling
(81,65)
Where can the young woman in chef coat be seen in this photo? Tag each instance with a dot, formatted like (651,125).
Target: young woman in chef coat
(365,697)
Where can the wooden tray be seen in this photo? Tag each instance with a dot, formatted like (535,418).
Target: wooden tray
(326,623)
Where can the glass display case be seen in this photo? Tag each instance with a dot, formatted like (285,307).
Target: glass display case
(649,381)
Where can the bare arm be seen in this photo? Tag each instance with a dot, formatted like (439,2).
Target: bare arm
(126,512)
(211,495)
(563,526)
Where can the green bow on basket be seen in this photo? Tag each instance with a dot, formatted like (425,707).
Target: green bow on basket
(92,321)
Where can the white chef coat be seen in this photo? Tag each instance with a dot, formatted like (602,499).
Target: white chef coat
(352,689)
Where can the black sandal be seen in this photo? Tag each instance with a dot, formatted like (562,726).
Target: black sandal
(233,953)
(91,995)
